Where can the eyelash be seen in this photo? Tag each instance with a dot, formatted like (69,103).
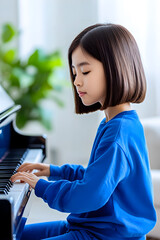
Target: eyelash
(84,73)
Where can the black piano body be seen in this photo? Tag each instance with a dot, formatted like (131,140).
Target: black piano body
(15,148)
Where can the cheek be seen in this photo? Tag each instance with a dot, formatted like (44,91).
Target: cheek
(102,87)
(101,83)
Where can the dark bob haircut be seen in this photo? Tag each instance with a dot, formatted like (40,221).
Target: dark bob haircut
(115,47)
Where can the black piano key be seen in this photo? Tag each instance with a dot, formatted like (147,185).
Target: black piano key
(4,181)
(9,170)
(2,185)
(7,184)
(9,166)
(7,188)
(3,172)
(3,192)
(5,176)
(10,184)
(10,161)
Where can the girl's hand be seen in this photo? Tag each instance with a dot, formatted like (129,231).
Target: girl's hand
(42,169)
(29,178)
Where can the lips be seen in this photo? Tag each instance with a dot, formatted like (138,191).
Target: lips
(81,94)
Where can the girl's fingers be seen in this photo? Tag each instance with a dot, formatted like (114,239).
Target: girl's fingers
(29,178)
(24,167)
(40,169)
(28,167)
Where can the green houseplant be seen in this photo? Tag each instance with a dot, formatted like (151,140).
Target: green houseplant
(31,81)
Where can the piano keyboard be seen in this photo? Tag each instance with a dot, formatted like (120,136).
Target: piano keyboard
(8,166)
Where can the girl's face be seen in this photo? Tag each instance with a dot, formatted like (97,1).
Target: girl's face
(89,77)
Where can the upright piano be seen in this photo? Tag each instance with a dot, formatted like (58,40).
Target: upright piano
(15,148)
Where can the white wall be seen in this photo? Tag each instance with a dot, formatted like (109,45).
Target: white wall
(8,11)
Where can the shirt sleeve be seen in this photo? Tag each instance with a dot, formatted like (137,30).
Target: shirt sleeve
(67,172)
(95,188)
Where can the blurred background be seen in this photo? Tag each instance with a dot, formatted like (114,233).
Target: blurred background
(51,25)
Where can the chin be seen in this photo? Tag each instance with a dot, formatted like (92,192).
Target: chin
(88,103)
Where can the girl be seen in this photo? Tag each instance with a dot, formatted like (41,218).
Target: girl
(111,199)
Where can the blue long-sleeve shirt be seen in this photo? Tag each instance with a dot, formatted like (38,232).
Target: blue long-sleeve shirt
(112,196)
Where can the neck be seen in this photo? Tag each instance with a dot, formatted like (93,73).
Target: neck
(111,112)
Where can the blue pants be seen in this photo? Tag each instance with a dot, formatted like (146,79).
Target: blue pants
(56,230)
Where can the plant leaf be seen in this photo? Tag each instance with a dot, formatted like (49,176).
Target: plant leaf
(20,78)
(45,62)
(8,32)
(9,56)
(36,57)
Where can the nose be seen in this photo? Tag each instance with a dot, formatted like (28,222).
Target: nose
(77,81)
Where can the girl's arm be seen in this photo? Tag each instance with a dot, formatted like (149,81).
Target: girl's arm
(94,189)
(67,172)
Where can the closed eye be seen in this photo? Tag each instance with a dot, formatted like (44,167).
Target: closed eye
(85,73)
